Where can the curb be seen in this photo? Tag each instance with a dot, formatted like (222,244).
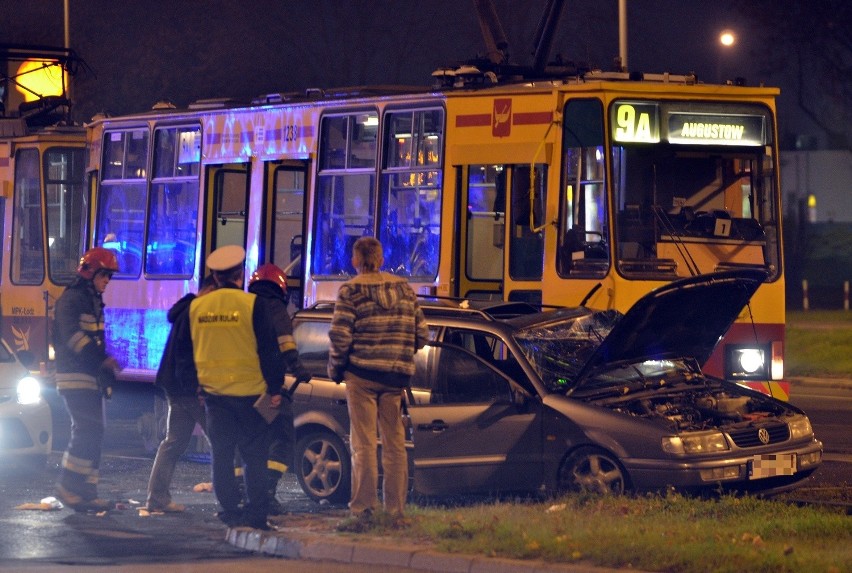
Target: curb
(327,548)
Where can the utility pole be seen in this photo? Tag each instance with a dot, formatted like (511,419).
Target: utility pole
(67,21)
(622,34)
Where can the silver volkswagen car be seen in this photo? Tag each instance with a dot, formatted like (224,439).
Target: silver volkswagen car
(508,399)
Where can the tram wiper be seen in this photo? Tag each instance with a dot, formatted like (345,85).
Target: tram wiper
(662,217)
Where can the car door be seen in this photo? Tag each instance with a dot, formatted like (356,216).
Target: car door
(474,431)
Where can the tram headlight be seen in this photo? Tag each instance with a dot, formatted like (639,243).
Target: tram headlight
(747,362)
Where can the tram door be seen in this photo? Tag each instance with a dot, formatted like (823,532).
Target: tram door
(288,180)
(227,206)
(482,225)
(499,261)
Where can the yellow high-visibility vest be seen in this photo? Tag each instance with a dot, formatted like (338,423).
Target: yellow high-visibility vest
(224,344)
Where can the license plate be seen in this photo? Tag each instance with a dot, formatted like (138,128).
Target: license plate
(771,465)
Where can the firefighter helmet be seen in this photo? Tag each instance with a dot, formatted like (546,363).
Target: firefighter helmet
(272,273)
(97,259)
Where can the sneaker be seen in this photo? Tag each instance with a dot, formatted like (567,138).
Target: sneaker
(357,523)
(172,507)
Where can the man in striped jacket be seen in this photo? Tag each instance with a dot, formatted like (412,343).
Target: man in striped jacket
(376,329)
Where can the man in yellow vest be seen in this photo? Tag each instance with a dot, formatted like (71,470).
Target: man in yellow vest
(231,339)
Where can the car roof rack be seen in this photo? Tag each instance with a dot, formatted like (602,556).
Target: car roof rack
(452,306)
(488,309)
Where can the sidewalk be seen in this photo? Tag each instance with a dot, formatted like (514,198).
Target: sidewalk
(314,537)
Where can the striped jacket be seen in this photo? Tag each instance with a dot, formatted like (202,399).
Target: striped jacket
(377,327)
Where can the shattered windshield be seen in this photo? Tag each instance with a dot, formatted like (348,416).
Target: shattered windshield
(559,349)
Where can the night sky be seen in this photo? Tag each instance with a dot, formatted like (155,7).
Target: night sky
(138,52)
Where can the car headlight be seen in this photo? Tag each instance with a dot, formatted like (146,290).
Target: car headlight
(699,443)
(800,427)
(29,391)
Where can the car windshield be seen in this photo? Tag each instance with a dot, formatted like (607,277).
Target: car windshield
(558,349)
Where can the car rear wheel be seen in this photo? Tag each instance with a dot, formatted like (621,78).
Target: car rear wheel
(592,470)
(323,467)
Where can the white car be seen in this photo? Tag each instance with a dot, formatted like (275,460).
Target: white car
(26,425)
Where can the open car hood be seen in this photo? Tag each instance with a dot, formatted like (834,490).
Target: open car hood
(685,318)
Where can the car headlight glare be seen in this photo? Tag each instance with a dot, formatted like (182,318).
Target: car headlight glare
(703,443)
(744,362)
(751,360)
(800,427)
(29,391)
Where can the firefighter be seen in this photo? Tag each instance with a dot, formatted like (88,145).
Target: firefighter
(84,377)
(229,336)
(270,282)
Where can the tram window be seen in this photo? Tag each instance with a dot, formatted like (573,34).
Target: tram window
(583,248)
(173,210)
(345,203)
(348,141)
(121,221)
(526,242)
(334,138)
(122,198)
(344,207)
(486,217)
(125,154)
(172,229)
(362,147)
(410,201)
(231,192)
(289,185)
(66,208)
(27,244)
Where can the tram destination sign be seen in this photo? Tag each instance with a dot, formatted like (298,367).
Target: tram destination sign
(640,122)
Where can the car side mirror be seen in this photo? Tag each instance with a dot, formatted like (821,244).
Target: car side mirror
(520,398)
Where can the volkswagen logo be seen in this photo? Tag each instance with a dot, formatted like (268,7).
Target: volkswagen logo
(763,436)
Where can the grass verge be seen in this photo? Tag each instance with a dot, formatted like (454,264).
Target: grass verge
(818,343)
(653,533)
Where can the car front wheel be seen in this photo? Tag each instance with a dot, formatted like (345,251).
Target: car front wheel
(323,467)
(592,470)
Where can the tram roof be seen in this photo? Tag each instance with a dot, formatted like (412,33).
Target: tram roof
(471,82)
